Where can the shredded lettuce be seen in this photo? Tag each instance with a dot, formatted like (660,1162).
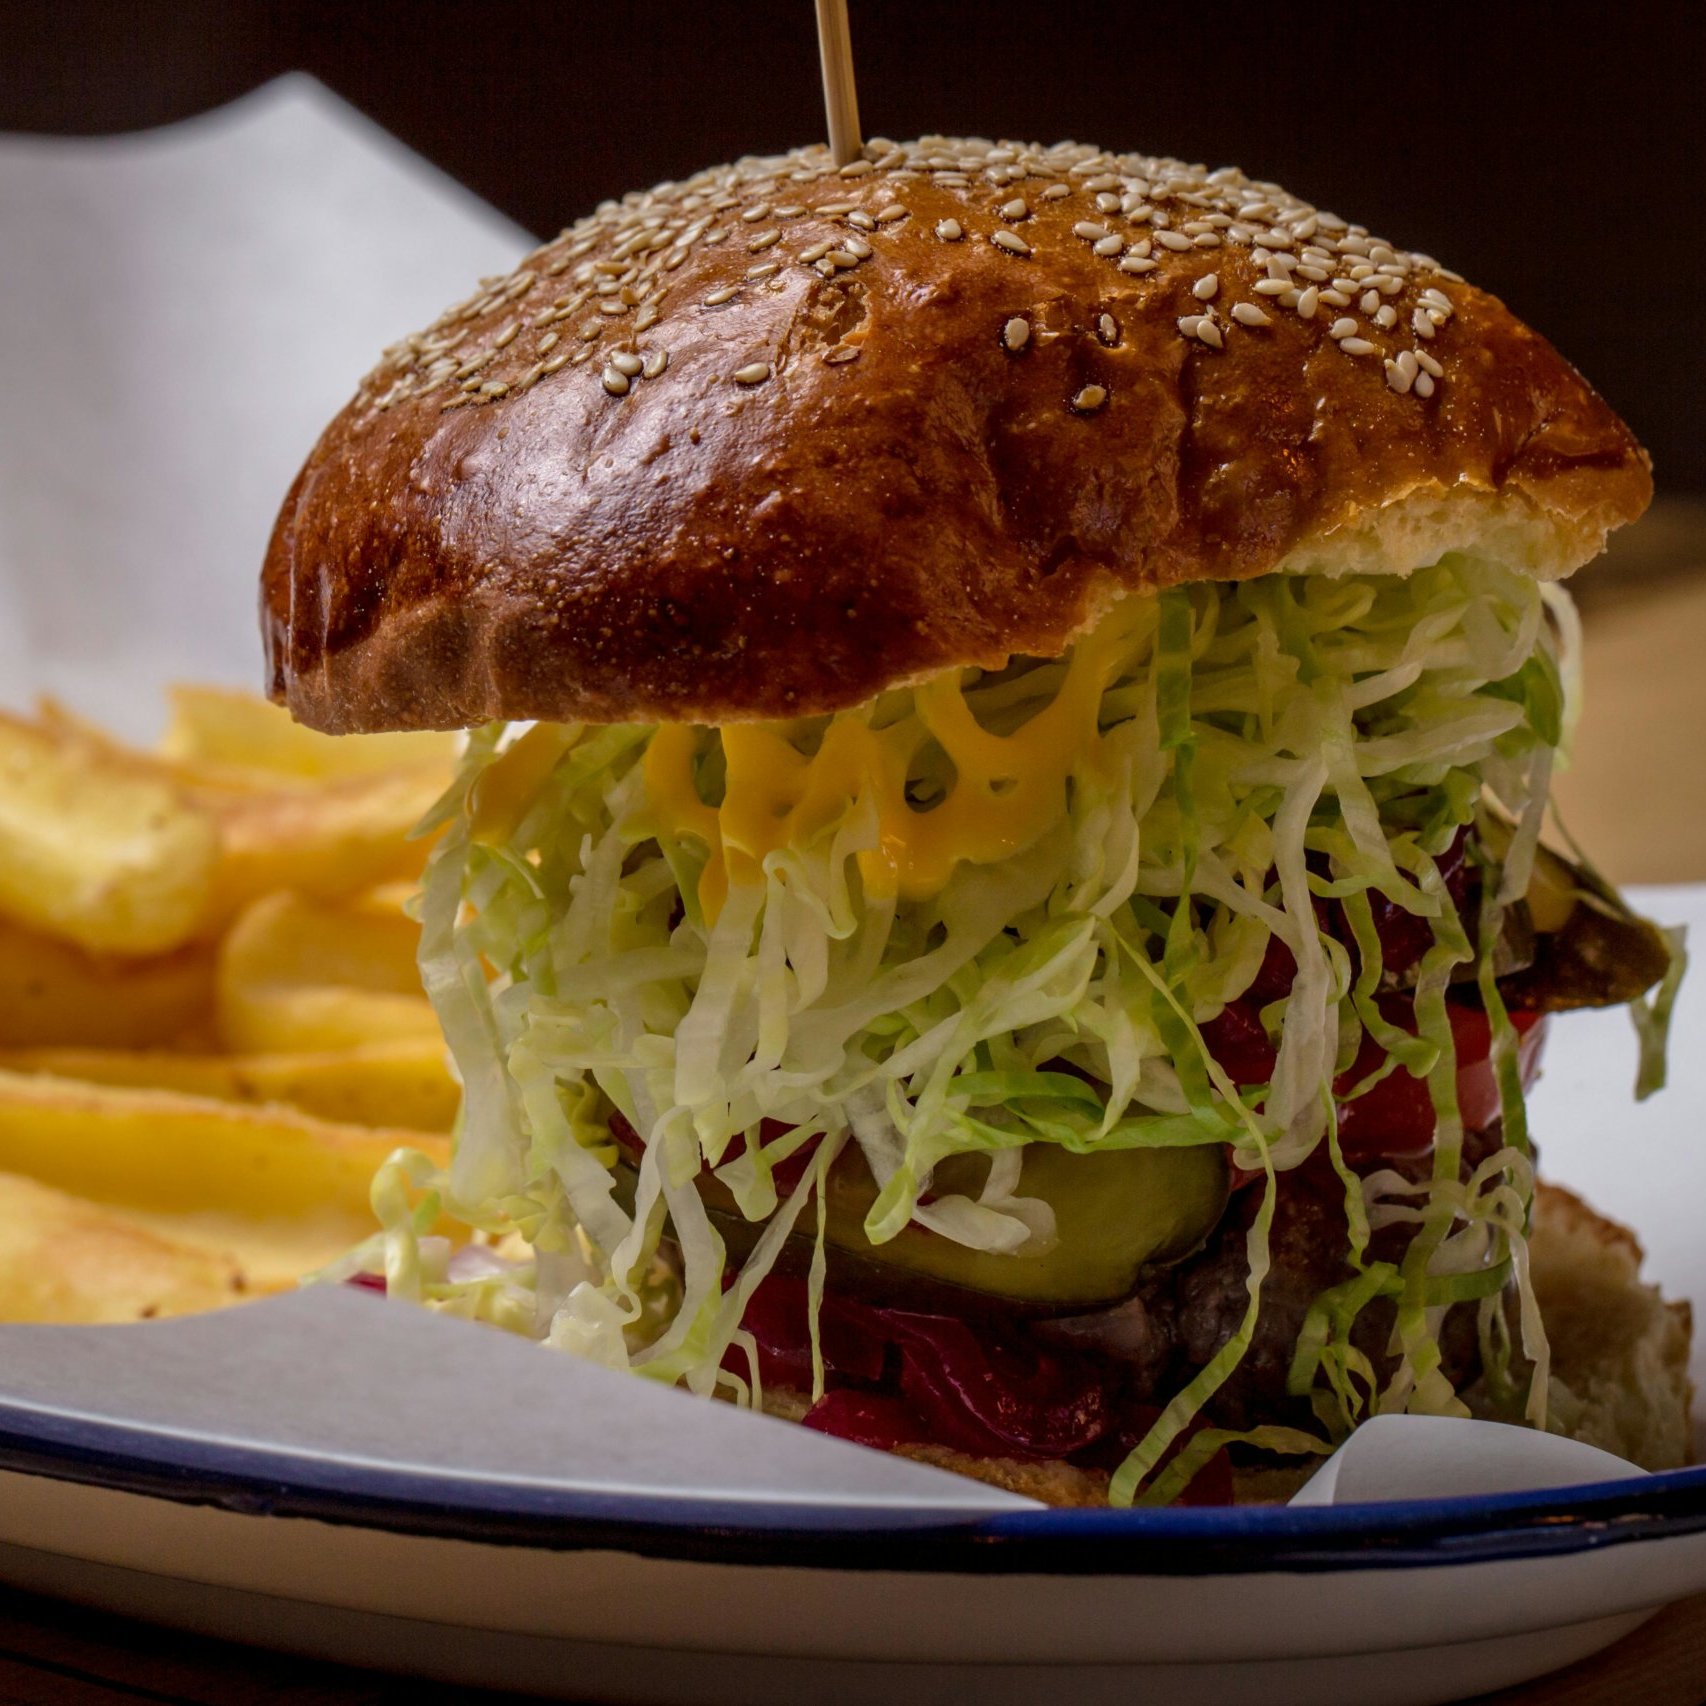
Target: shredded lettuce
(992,911)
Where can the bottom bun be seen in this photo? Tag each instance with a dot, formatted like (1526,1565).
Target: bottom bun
(1619,1367)
(1619,1349)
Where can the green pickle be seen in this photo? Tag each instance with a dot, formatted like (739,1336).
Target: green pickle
(1116,1212)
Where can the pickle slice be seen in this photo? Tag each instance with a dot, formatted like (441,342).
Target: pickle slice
(1116,1212)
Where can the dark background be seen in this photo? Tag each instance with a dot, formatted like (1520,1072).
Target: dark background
(1554,154)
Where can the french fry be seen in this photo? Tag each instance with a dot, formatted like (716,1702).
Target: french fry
(298,976)
(69,1263)
(330,842)
(220,726)
(90,850)
(204,781)
(53,994)
(377,1084)
(284,1191)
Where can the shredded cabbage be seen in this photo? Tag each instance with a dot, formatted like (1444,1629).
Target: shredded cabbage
(834,930)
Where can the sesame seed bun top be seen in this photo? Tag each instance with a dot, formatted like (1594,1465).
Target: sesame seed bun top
(772,440)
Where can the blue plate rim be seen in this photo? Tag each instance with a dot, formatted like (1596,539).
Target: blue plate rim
(265,1481)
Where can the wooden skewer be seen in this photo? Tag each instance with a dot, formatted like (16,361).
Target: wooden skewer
(840,97)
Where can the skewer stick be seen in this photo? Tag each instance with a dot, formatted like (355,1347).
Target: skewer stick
(840,98)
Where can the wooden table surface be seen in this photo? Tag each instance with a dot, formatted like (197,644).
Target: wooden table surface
(1633,796)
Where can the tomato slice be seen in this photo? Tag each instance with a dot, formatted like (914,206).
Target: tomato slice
(1394,1119)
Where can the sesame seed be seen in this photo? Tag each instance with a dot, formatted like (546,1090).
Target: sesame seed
(548,342)
(1089,399)
(1056,191)
(1109,245)
(885,215)
(844,258)
(647,317)
(1357,346)
(754,373)
(1370,303)
(1424,385)
(1205,287)
(1398,379)
(1188,324)
(615,381)
(859,247)
(1091,233)
(765,269)
(1107,202)
(857,169)
(555,364)
(1012,242)
(1317,275)
(1342,328)
(1423,325)
(1335,298)
(507,336)
(1137,264)
(1017,208)
(764,239)
(716,298)
(752,215)
(1428,365)
(1386,316)
(841,353)
(815,253)
(627,363)
(1108,330)
(1248,314)
(949,230)
(1016,333)
(792,211)
(654,364)
(861,221)
(1172,240)
(1271,286)
(1209,333)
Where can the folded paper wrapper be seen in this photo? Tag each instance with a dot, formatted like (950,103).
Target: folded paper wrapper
(184,311)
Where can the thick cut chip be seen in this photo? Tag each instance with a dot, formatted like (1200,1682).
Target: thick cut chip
(379,1084)
(331,841)
(299,976)
(54,994)
(220,726)
(68,1263)
(285,1192)
(114,860)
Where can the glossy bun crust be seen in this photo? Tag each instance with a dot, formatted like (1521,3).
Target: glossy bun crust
(770,441)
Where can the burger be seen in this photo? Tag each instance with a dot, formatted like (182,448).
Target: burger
(996,902)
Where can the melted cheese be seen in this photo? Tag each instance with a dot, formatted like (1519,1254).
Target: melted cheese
(1008,790)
